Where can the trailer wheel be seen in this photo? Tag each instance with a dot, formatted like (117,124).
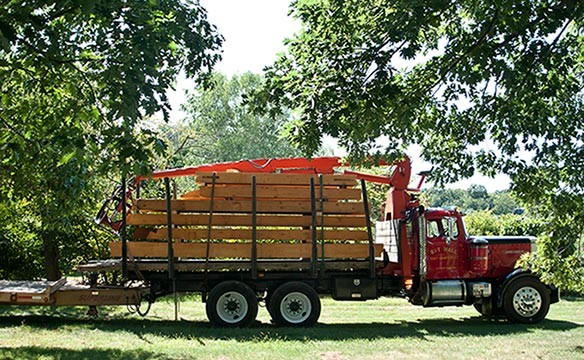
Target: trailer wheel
(232,304)
(526,301)
(295,304)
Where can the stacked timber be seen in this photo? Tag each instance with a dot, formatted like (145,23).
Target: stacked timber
(291,212)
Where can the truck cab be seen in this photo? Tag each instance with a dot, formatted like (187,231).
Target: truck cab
(447,266)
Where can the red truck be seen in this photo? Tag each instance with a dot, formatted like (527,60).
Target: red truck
(427,257)
(422,254)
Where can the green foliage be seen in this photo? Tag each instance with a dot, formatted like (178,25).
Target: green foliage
(218,127)
(486,223)
(20,247)
(221,128)
(563,271)
(23,234)
(560,257)
(108,63)
(475,198)
(451,77)
(76,79)
(447,76)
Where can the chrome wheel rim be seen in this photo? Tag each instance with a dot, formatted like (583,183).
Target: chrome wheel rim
(527,301)
(295,307)
(232,307)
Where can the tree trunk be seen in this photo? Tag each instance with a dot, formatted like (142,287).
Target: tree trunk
(51,255)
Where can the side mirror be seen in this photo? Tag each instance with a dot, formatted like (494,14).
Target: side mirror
(452,229)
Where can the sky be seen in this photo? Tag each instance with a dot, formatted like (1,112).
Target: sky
(254,31)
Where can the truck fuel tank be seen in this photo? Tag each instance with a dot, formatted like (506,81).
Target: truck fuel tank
(444,292)
(454,292)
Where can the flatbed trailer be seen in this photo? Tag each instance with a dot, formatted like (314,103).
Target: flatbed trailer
(66,293)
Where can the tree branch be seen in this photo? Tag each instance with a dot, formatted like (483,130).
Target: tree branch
(13,130)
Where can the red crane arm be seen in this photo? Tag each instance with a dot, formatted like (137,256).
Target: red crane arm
(320,165)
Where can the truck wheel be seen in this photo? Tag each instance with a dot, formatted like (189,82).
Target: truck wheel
(526,301)
(232,304)
(295,304)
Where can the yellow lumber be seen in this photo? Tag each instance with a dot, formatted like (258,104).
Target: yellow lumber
(245,220)
(246,234)
(276,179)
(281,192)
(244,206)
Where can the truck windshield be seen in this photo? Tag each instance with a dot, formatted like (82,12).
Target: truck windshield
(439,228)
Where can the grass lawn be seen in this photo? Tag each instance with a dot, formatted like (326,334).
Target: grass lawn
(382,329)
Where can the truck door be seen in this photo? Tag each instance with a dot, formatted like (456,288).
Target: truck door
(445,253)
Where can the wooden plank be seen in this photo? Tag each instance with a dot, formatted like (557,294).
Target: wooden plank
(245,234)
(276,179)
(195,194)
(244,206)
(276,192)
(241,250)
(245,220)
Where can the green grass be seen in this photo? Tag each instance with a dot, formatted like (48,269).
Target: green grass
(382,329)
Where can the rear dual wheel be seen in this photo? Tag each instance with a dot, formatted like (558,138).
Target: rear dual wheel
(294,304)
(232,304)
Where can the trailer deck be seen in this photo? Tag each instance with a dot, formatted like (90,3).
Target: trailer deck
(66,293)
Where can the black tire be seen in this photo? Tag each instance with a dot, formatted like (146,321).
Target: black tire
(294,304)
(526,301)
(232,304)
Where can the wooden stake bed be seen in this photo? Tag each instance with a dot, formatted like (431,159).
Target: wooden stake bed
(285,216)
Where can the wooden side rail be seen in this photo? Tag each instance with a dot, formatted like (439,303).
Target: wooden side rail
(299,220)
(244,206)
(246,234)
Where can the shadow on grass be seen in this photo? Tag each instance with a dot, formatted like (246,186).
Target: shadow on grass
(34,352)
(201,331)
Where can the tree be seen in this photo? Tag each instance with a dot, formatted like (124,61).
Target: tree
(451,77)
(478,191)
(475,198)
(77,78)
(503,202)
(218,126)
